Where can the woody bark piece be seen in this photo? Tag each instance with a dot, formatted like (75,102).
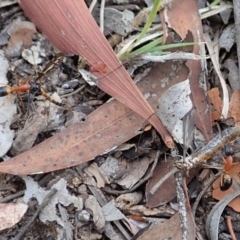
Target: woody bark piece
(72,29)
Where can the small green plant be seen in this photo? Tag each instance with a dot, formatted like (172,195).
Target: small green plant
(146,43)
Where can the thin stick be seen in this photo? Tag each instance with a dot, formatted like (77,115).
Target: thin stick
(74,92)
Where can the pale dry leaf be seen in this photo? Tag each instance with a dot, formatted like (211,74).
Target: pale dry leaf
(226,14)
(173,105)
(32,56)
(49,213)
(55,118)
(11,214)
(227,38)
(98,217)
(88,77)
(110,212)
(5,3)
(35,53)
(117,21)
(7,110)
(112,168)
(68,232)
(134,172)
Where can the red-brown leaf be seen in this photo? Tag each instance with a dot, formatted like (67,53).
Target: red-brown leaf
(108,126)
(72,29)
(183,24)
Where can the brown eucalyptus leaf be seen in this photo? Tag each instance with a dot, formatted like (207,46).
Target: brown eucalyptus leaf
(109,126)
(170,229)
(72,29)
(164,193)
(183,24)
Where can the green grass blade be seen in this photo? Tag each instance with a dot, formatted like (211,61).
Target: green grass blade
(147,47)
(150,19)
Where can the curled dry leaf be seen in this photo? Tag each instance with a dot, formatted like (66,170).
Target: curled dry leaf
(11,213)
(125,201)
(101,178)
(74,31)
(5,3)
